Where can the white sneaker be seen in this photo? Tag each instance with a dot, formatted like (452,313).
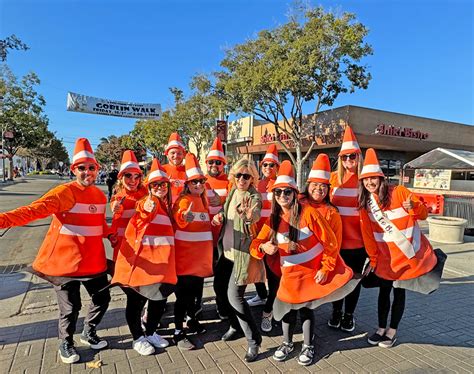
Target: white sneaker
(143,347)
(157,341)
(256,301)
(266,324)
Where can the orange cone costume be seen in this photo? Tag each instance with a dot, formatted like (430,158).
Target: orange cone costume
(265,184)
(73,246)
(147,253)
(193,240)
(345,196)
(177,174)
(395,259)
(127,199)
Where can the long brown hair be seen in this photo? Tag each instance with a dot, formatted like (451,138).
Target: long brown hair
(187,191)
(384,194)
(295,215)
(166,203)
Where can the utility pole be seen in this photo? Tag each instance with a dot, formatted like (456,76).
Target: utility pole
(3,149)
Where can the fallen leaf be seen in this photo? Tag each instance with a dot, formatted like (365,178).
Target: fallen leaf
(94,364)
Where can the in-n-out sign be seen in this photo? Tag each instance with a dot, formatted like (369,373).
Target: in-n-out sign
(403,132)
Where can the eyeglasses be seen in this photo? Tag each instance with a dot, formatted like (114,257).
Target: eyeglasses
(286,192)
(212,162)
(243,175)
(130,176)
(269,165)
(84,168)
(159,185)
(195,182)
(352,156)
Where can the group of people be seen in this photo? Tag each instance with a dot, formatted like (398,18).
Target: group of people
(178,225)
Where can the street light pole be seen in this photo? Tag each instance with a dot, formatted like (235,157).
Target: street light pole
(3,149)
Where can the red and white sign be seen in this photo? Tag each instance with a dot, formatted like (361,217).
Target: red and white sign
(403,132)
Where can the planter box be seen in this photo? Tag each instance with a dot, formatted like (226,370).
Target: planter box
(449,230)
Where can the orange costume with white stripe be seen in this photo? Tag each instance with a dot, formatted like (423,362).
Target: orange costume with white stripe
(73,245)
(265,188)
(220,186)
(390,260)
(317,249)
(120,219)
(193,240)
(177,176)
(345,197)
(147,253)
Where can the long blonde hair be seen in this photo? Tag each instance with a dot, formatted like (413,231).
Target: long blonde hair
(244,163)
(341,171)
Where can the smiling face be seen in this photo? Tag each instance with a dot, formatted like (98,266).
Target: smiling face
(175,156)
(86,173)
(317,191)
(269,169)
(372,184)
(284,197)
(159,189)
(196,186)
(131,181)
(243,179)
(350,162)
(214,167)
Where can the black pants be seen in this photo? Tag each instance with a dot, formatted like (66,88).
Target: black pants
(261,290)
(398,306)
(355,259)
(134,309)
(188,289)
(69,303)
(307,322)
(273,284)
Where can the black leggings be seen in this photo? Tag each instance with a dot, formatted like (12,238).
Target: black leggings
(133,313)
(398,306)
(355,259)
(188,289)
(289,323)
(273,284)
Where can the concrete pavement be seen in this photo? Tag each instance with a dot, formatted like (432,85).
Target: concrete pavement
(435,334)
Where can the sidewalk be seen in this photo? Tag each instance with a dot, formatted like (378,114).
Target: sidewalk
(435,334)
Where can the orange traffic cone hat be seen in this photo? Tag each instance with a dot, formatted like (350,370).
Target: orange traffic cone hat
(129,164)
(83,153)
(157,173)
(321,170)
(371,165)
(174,141)
(271,155)
(216,152)
(193,170)
(349,143)
(286,176)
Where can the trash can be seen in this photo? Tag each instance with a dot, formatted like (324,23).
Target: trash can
(448,230)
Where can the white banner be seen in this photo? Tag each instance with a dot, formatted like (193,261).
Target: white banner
(94,105)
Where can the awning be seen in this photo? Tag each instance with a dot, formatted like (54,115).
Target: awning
(443,158)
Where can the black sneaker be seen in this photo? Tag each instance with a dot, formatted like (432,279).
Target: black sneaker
(283,351)
(68,352)
(375,339)
(335,321)
(347,322)
(386,342)
(194,327)
(198,313)
(232,334)
(91,339)
(182,342)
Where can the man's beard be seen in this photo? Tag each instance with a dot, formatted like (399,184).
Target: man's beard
(214,174)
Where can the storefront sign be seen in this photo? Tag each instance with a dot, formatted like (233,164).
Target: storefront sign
(403,132)
(439,179)
(221,130)
(94,105)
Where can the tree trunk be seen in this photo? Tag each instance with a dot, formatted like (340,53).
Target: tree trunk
(299,168)
(10,172)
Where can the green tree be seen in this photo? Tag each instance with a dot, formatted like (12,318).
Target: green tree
(314,57)
(109,151)
(21,113)
(48,151)
(10,42)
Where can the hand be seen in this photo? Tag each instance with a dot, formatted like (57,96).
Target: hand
(217,219)
(269,248)
(408,203)
(214,200)
(188,215)
(149,205)
(368,269)
(113,239)
(321,276)
(245,210)
(117,205)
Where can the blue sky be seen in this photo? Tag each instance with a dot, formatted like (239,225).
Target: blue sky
(135,50)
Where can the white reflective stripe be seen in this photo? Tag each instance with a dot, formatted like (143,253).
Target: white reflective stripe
(271,156)
(221,192)
(128,213)
(193,172)
(161,219)
(216,153)
(157,174)
(349,145)
(215,209)
(157,240)
(174,143)
(413,232)
(74,230)
(348,211)
(319,174)
(301,258)
(193,236)
(264,213)
(88,208)
(282,238)
(267,196)
(371,169)
(396,213)
(346,192)
(82,154)
(304,233)
(286,179)
(201,217)
(121,231)
(129,165)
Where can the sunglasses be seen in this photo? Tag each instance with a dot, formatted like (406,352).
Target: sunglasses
(212,162)
(84,168)
(270,165)
(243,175)
(130,176)
(195,182)
(286,192)
(158,185)
(352,156)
